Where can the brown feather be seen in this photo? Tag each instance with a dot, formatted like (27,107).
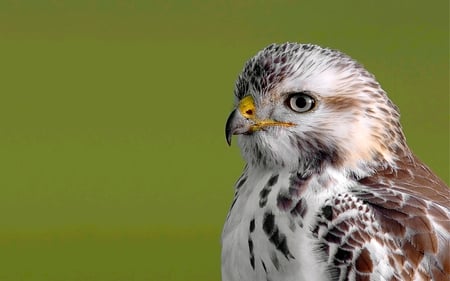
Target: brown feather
(425,197)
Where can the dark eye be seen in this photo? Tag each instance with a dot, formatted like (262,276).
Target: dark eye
(300,102)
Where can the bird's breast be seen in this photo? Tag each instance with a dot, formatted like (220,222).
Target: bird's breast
(268,230)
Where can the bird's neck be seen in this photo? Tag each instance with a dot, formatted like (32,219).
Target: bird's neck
(351,167)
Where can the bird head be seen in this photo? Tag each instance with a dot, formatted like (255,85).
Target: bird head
(302,107)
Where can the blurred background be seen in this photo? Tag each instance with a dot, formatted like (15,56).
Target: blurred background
(113,159)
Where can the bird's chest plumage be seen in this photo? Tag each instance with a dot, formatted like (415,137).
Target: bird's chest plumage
(268,232)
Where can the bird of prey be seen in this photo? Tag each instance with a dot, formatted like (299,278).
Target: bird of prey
(330,190)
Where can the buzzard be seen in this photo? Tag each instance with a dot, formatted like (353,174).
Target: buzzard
(330,190)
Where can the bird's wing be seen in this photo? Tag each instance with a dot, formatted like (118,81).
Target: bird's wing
(392,226)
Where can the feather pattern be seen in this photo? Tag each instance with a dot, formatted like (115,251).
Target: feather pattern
(337,194)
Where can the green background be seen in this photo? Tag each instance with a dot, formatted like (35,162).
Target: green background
(113,161)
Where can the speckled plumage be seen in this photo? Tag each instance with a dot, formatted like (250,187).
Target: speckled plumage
(333,193)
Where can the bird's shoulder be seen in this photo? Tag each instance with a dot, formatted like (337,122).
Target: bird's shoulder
(394,223)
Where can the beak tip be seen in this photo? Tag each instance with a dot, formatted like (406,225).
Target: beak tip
(228,139)
(229,127)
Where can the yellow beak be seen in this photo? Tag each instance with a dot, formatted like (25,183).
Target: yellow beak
(243,120)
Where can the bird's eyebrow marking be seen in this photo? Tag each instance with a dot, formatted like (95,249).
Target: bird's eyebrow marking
(299,91)
(340,102)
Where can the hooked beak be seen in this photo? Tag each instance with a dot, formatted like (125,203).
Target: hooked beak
(236,125)
(243,120)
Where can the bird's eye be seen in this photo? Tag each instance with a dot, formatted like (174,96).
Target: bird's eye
(300,102)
